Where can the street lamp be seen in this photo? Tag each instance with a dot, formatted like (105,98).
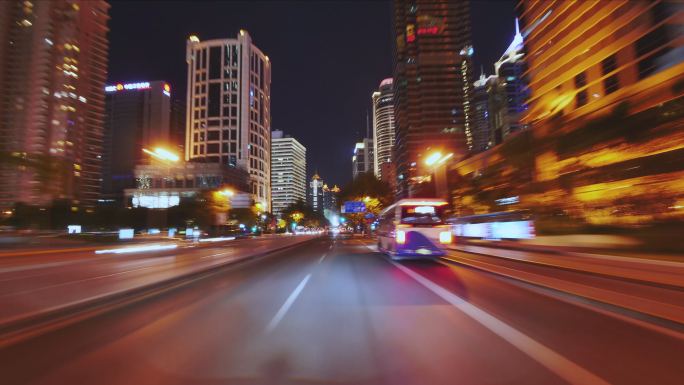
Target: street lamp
(436,162)
(436,158)
(433,158)
(162,154)
(227,192)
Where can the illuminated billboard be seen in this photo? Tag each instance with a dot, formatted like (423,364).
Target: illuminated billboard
(128,86)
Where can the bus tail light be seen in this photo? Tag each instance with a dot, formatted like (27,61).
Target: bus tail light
(445,237)
(401,237)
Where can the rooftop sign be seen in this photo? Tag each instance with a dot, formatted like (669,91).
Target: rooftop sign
(128,86)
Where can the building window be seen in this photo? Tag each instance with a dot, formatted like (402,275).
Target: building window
(213,135)
(649,65)
(226,52)
(652,40)
(580,80)
(611,84)
(609,64)
(215,62)
(214,99)
(656,43)
(581,98)
(212,148)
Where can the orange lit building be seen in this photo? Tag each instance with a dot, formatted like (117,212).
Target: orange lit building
(586,57)
(53,67)
(606,112)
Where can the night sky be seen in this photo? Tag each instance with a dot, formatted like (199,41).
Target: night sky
(327,58)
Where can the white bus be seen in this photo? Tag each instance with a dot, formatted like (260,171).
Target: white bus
(414,228)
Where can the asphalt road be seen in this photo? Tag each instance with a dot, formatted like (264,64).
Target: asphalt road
(334,312)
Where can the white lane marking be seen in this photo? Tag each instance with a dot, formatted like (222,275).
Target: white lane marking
(286,306)
(214,255)
(322,257)
(556,363)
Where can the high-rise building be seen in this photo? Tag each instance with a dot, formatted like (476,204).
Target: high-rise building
(330,206)
(480,116)
(315,193)
(363,158)
(432,86)
(288,171)
(383,125)
(228,108)
(53,67)
(136,118)
(510,70)
(490,112)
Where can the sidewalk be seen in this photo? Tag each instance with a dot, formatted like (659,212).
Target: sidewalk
(666,272)
(648,286)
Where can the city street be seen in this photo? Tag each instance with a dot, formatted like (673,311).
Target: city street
(334,311)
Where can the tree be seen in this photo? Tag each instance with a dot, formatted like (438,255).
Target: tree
(366,188)
(303,215)
(367,185)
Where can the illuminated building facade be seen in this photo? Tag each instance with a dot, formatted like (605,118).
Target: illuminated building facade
(330,206)
(53,66)
(490,119)
(609,53)
(363,159)
(432,83)
(228,108)
(480,117)
(137,116)
(510,70)
(163,184)
(383,125)
(315,193)
(288,171)
(606,110)
(606,87)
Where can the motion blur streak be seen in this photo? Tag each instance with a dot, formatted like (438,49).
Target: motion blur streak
(136,249)
(217,239)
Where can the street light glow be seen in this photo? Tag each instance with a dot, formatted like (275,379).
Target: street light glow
(168,155)
(162,154)
(446,157)
(433,158)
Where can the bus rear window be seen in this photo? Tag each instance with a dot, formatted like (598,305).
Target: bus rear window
(422,215)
